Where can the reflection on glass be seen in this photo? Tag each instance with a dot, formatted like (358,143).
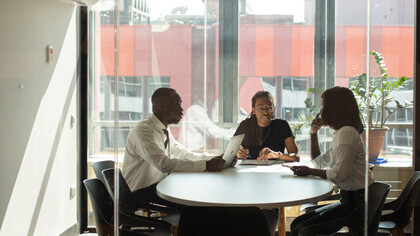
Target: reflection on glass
(175,43)
(276,53)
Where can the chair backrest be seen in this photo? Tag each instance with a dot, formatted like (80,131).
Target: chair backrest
(376,199)
(408,199)
(414,182)
(99,166)
(128,202)
(221,221)
(103,210)
(102,205)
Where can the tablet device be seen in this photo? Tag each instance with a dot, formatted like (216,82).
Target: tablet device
(287,166)
(232,148)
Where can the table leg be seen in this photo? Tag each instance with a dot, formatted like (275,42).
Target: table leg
(282,222)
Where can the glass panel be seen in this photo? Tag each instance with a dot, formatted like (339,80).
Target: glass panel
(276,53)
(392,35)
(101,99)
(285,47)
(162,43)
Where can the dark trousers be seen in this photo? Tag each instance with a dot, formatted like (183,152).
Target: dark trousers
(271,216)
(319,220)
(149,195)
(223,221)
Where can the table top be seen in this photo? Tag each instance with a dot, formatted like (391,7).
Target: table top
(243,185)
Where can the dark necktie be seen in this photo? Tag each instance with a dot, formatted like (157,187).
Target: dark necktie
(167,141)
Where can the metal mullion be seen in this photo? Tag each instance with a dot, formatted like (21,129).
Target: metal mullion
(228,60)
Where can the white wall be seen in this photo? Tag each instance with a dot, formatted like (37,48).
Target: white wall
(38,147)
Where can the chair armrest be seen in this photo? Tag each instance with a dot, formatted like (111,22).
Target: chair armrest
(333,197)
(127,219)
(154,210)
(137,225)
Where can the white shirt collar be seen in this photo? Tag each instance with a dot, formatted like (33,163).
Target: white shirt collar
(157,123)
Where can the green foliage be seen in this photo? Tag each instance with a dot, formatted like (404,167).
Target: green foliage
(381,103)
(312,108)
(379,99)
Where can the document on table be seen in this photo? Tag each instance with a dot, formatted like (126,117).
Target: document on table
(260,162)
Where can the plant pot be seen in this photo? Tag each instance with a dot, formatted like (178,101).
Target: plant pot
(376,139)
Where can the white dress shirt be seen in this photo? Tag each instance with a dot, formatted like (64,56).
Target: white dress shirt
(146,159)
(344,161)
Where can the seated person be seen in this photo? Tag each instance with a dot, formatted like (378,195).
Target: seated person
(151,152)
(343,163)
(265,137)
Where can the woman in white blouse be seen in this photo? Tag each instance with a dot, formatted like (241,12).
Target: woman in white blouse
(343,163)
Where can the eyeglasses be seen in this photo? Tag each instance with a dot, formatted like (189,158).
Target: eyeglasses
(268,109)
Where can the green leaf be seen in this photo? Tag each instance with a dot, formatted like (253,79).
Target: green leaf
(308,103)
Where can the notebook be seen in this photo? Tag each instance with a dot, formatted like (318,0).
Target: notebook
(257,162)
(232,148)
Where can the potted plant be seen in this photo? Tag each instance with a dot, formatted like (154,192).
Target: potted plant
(379,102)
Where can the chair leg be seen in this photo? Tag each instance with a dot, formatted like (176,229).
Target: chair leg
(397,231)
(174,229)
(282,222)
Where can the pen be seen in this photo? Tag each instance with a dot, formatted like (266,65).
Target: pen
(249,156)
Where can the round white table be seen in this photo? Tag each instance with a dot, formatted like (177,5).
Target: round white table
(243,185)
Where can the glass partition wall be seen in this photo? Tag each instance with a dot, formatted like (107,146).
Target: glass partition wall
(217,54)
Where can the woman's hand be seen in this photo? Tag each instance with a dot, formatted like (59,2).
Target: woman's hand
(267,153)
(304,171)
(242,153)
(301,170)
(316,124)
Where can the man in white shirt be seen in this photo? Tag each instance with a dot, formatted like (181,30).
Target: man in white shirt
(198,127)
(152,153)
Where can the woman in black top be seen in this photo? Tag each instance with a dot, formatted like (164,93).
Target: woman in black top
(265,137)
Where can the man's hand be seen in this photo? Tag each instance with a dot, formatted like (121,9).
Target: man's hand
(301,170)
(234,162)
(242,153)
(215,164)
(316,124)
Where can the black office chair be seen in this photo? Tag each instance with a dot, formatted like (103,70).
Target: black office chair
(130,204)
(223,221)
(307,207)
(103,211)
(354,220)
(99,166)
(402,207)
